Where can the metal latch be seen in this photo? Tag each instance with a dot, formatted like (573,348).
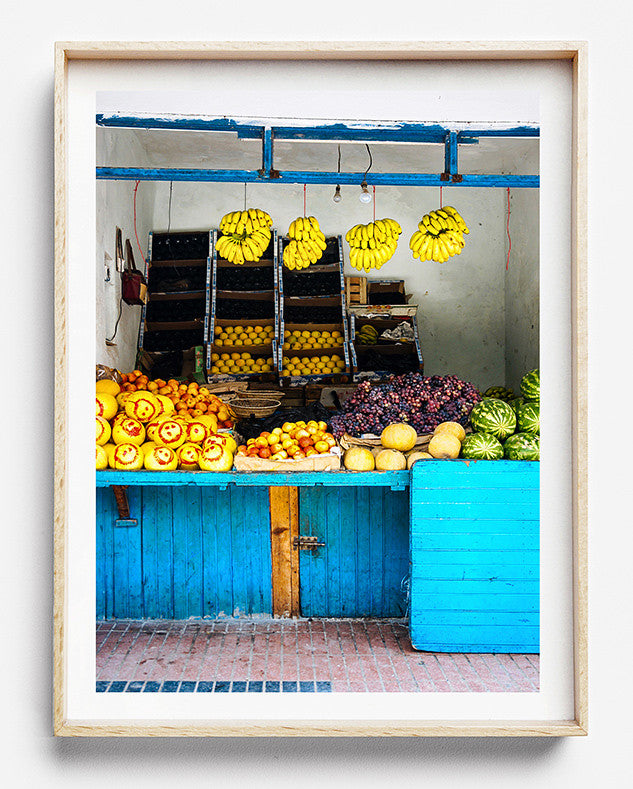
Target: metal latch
(307,542)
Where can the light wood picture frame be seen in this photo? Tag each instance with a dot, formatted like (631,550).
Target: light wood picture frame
(575,54)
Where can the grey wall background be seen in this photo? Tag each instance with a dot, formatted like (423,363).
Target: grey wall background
(30,756)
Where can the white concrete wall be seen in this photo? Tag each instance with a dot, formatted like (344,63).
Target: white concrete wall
(522,287)
(115,209)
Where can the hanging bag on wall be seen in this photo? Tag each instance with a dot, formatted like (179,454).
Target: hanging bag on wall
(133,284)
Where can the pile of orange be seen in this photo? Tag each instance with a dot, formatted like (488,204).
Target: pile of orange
(188,398)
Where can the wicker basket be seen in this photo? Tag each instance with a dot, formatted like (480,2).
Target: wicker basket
(245,407)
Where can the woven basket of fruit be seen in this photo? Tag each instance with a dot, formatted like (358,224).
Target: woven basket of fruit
(245,407)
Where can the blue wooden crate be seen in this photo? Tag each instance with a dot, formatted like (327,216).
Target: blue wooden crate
(474,546)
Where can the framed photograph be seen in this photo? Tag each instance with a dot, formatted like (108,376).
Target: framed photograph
(319,288)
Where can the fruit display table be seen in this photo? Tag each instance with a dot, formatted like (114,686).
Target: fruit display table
(453,545)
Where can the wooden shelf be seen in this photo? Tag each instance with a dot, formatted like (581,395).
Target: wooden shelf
(185,295)
(177,263)
(174,325)
(261,263)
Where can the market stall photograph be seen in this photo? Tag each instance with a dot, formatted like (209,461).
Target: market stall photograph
(317,403)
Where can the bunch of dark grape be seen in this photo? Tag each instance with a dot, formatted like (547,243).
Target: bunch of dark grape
(423,402)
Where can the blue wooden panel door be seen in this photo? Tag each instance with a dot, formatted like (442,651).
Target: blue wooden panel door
(475,556)
(363,567)
(197,551)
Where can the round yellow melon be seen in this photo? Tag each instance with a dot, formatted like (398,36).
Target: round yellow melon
(109,450)
(104,431)
(210,420)
(215,457)
(106,386)
(147,446)
(444,445)
(188,456)
(390,460)
(165,403)
(224,439)
(121,399)
(412,457)
(142,406)
(169,433)
(107,405)
(102,458)
(399,436)
(196,432)
(161,459)
(150,427)
(454,428)
(359,459)
(128,431)
(128,457)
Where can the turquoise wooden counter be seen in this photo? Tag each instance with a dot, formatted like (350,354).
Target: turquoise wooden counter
(451,544)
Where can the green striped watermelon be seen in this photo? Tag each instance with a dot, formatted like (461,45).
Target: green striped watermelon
(531,385)
(481,446)
(514,404)
(493,416)
(528,418)
(522,446)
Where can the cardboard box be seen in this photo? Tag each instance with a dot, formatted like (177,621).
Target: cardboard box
(330,462)
(191,367)
(383,291)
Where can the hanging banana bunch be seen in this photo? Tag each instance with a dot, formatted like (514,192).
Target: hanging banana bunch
(440,235)
(246,235)
(372,245)
(306,245)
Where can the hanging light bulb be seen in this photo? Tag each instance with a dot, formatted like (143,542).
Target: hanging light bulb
(364,196)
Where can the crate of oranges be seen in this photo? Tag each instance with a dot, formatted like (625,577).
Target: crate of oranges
(242,350)
(314,351)
(188,398)
(292,446)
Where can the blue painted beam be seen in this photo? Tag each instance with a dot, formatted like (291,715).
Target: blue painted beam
(450,154)
(243,130)
(399,479)
(267,152)
(175,174)
(397,132)
(517,131)
(312,177)
(362,132)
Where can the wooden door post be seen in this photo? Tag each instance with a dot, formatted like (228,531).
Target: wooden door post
(284,527)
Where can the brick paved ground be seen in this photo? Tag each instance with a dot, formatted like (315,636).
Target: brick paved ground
(272,655)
